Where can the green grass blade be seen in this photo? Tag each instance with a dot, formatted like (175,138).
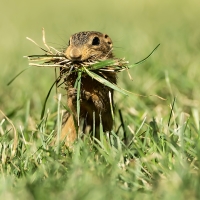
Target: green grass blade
(78,95)
(102,64)
(105,82)
(17,76)
(59,124)
(141,61)
(45,102)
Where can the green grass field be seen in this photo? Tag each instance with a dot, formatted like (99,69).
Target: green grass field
(160,158)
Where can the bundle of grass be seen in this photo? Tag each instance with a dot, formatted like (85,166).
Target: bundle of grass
(57,59)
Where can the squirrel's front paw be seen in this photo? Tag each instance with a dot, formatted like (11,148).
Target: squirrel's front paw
(98,103)
(85,95)
(72,92)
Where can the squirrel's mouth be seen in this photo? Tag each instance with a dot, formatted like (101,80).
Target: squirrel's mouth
(81,61)
(76,61)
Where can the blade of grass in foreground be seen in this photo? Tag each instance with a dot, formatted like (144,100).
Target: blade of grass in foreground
(104,81)
(45,102)
(78,94)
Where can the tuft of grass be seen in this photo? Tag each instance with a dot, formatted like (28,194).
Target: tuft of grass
(161,160)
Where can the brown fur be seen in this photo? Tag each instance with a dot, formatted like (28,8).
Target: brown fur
(94,96)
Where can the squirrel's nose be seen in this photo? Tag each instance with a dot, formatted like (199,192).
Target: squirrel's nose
(75,54)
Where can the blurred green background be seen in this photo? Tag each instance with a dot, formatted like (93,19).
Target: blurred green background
(135,27)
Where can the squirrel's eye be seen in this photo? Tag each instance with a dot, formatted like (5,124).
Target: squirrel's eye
(95,41)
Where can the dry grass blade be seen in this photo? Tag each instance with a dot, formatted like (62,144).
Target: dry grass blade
(44,41)
(15,140)
(111,105)
(35,43)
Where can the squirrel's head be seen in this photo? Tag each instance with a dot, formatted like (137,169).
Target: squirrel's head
(89,45)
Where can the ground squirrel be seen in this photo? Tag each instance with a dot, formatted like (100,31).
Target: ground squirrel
(88,46)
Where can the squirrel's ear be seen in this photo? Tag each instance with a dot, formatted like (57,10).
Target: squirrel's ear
(108,40)
(69,42)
